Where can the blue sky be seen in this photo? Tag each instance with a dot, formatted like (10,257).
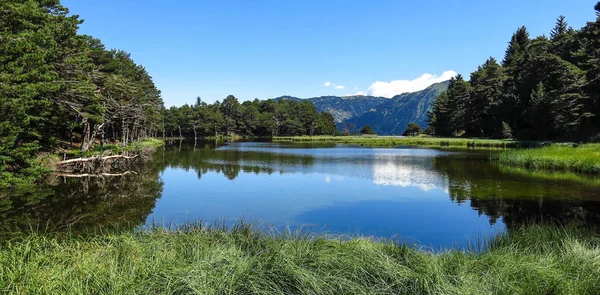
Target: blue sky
(263,49)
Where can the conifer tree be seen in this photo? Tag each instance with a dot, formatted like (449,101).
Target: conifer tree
(484,111)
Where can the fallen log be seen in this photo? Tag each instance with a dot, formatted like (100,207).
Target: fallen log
(98,164)
(91,159)
(77,175)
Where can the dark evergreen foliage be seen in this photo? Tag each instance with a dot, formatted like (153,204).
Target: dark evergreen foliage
(282,117)
(58,85)
(545,88)
(367,130)
(412,129)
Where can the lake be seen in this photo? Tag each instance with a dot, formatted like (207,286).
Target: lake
(430,197)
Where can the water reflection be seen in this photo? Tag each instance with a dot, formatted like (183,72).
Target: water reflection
(414,173)
(81,204)
(438,198)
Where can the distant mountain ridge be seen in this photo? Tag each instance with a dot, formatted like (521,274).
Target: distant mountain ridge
(393,115)
(343,107)
(387,116)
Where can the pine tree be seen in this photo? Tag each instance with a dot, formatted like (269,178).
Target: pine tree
(33,51)
(560,28)
(563,40)
(515,90)
(231,111)
(563,97)
(459,95)
(438,117)
(538,112)
(517,48)
(484,112)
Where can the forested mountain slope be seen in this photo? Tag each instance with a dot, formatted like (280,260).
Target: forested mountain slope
(391,116)
(343,107)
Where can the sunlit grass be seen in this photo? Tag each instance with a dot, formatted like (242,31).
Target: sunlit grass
(385,141)
(585,179)
(242,260)
(149,142)
(583,159)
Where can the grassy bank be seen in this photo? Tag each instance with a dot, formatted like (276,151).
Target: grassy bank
(585,179)
(536,260)
(385,141)
(582,159)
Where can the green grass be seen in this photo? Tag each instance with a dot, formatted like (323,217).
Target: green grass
(197,260)
(150,142)
(585,179)
(384,141)
(581,159)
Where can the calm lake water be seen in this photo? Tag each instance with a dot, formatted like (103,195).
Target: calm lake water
(434,198)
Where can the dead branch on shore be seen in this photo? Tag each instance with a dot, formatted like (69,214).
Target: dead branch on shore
(97,165)
(73,175)
(100,158)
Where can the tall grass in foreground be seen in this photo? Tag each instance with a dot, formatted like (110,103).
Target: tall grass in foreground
(583,159)
(384,141)
(196,260)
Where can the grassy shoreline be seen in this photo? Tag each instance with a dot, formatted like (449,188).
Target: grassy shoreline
(533,260)
(580,159)
(385,141)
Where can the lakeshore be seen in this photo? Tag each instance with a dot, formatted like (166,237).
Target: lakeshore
(391,141)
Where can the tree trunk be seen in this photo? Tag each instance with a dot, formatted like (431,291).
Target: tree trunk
(84,136)
(89,136)
(123,131)
(102,139)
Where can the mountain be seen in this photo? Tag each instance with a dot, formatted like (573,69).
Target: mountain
(387,116)
(343,107)
(392,115)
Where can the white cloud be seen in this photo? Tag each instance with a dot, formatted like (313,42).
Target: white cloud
(329,84)
(389,89)
(355,94)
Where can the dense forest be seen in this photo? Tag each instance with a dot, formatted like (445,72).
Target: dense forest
(544,88)
(250,118)
(57,86)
